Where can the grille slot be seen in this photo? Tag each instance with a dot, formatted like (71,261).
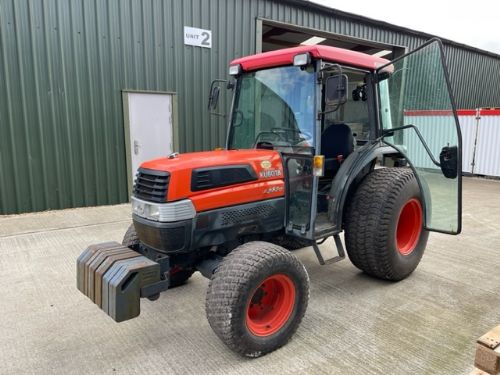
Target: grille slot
(239,216)
(203,180)
(151,185)
(218,176)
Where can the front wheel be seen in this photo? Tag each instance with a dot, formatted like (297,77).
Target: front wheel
(257,298)
(384,232)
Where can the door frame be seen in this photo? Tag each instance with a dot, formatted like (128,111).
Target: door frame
(126,128)
(446,77)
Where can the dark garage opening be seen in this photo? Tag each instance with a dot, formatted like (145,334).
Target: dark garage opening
(277,35)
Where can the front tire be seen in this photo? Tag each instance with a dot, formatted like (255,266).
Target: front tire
(130,238)
(384,232)
(257,298)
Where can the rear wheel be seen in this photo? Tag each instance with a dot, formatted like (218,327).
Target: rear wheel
(384,224)
(178,276)
(257,298)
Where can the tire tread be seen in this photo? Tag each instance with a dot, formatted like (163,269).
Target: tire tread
(369,218)
(223,301)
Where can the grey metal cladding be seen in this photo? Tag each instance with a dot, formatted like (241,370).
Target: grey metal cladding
(63,65)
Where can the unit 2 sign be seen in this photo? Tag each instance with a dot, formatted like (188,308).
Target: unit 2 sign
(197,37)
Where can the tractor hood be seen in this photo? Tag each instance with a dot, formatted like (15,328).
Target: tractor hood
(222,177)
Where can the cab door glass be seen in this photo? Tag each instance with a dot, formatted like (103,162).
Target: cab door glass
(417,96)
(300,193)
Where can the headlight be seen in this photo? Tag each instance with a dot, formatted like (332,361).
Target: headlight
(164,212)
(153,212)
(234,70)
(138,207)
(302,59)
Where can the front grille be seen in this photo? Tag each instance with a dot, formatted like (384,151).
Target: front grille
(151,185)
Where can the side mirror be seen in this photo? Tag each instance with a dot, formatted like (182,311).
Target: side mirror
(213,98)
(448,159)
(336,89)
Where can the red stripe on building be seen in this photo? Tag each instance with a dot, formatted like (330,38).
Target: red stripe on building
(460,112)
(489,112)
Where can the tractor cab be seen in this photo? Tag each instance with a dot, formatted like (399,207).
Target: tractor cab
(334,115)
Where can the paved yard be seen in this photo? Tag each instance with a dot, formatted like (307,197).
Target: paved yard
(426,324)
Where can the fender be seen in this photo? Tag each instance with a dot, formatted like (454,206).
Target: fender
(349,171)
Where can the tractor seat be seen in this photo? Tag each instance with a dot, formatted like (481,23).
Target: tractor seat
(337,143)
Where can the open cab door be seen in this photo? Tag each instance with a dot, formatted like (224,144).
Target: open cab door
(418,118)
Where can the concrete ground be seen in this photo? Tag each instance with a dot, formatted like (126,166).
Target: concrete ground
(426,324)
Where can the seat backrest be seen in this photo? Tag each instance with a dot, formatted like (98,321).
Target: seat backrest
(337,140)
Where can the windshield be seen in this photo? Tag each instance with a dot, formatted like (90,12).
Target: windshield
(274,108)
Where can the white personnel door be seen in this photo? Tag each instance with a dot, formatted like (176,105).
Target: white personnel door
(150,121)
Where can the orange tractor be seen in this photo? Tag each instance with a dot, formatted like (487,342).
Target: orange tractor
(321,141)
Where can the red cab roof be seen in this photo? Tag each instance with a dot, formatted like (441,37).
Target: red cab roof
(331,54)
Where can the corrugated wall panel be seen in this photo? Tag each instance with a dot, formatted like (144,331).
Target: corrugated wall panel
(487,160)
(63,65)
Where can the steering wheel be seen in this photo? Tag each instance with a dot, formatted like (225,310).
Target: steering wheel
(268,132)
(277,130)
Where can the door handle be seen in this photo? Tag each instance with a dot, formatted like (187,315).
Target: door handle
(136,147)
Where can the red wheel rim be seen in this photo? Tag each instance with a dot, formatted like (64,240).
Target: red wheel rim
(409,226)
(271,305)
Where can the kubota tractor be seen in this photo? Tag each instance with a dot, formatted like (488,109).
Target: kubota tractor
(321,141)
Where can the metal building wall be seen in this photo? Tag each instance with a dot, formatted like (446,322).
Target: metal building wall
(487,152)
(480,139)
(63,65)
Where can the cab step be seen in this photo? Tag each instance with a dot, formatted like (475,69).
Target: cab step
(334,259)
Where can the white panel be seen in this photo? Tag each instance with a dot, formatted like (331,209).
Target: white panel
(488,147)
(150,117)
(468,126)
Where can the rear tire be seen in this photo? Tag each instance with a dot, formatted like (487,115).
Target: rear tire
(384,232)
(178,276)
(257,298)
